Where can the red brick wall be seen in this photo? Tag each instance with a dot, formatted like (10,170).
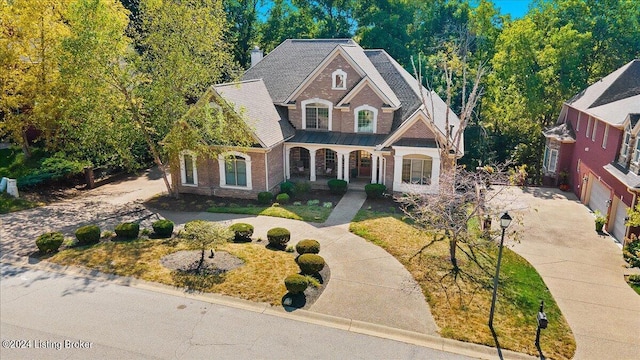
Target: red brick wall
(276,166)
(366,96)
(419,130)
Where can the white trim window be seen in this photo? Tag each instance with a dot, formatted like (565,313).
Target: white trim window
(366,119)
(595,127)
(636,153)
(578,122)
(339,80)
(235,170)
(417,171)
(588,133)
(550,161)
(624,149)
(605,136)
(316,114)
(188,168)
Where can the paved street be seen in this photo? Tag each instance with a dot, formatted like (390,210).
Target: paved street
(121,322)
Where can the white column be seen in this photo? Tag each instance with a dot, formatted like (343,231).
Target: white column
(435,174)
(397,173)
(287,162)
(312,165)
(374,169)
(347,163)
(339,169)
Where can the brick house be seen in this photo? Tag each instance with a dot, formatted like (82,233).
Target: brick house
(322,109)
(595,147)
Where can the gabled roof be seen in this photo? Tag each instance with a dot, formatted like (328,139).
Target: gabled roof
(613,97)
(289,64)
(563,133)
(251,100)
(359,56)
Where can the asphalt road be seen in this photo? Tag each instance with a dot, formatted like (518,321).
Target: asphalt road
(52,316)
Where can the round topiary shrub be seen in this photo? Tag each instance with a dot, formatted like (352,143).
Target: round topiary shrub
(49,242)
(163,228)
(242,231)
(128,230)
(89,234)
(283,198)
(288,187)
(265,197)
(310,263)
(337,186)
(308,247)
(296,283)
(374,191)
(278,237)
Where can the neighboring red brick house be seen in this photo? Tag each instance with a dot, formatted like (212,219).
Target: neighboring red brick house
(595,146)
(322,109)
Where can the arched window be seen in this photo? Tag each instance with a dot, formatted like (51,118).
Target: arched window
(316,114)
(188,169)
(235,170)
(365,119)
(339,80)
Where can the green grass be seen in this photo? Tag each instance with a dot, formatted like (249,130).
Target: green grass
(460,302)
(635,287)
(10,204)
(302,212)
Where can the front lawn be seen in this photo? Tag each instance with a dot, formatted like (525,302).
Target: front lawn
(259,279)
(461,306)
(310,213)
(10,204)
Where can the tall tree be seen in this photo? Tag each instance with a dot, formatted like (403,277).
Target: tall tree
(242,16)
(285,21)
(334,17)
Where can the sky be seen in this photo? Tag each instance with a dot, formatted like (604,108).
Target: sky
(517,8)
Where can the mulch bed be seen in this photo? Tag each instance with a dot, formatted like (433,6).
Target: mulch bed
(385,204)
(192,202)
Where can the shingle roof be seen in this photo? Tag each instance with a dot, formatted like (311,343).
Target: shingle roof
(289,64)
(337,138)
(251,100)
(359,56)
(623,175)
(613,97)
(563,132)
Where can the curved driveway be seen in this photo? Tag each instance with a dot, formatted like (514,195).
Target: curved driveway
(583,270)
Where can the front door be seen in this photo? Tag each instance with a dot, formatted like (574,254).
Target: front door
(364,164)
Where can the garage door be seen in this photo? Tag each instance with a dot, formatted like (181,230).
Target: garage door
(600,197)
(618,223)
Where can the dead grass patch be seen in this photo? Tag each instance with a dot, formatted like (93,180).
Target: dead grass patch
(461,305)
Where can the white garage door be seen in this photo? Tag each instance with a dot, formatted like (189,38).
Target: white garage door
(618,223)
(600,197)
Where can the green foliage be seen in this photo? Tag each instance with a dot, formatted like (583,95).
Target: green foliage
(631,251)
(49,242)
(242,231)
(337,186)
(265,197)
(127,230)
(205,233)
(310,263)
(308,246)
(87,235)
(278,237)
(163,228)
(296,283)
(288,187)
(282,198)
(634,279)
(302,187)
(374,191)
(52,168)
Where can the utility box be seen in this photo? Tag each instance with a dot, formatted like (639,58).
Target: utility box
(12,188)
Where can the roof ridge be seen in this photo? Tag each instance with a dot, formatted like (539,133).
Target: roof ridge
(236,82)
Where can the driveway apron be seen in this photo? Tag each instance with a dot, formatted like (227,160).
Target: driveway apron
(583,269)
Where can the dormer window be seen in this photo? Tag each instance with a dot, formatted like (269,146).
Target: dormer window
(365,119)
(339,80)
(624,151)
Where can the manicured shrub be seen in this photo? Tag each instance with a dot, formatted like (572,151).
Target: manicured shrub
(265,197)
(163,228)
(374,191)
(634,279)
(278,237)
(288,187)
(89,234)
(631,251)
(308,247)
(283,198)
(310,263)
(302,187)
(128,230)
(242,231)
(296,283)
(337,186)
(49,242)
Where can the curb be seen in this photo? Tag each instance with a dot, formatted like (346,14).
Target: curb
(310,317)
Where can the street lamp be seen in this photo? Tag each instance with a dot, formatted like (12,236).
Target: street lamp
(505,221)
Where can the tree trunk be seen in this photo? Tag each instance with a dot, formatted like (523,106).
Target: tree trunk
(452,254)
(201,262)
(25,145)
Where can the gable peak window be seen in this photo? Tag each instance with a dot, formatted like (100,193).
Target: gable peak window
(339,80)
(365,119)
(316,114)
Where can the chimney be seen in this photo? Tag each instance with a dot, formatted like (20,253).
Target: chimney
(256,56)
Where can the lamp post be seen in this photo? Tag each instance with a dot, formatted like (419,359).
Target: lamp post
(505,221)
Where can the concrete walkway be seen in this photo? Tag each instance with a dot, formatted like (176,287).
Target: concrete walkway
(583,270)
(367,283)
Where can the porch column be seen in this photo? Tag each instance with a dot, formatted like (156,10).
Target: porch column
(312,165)
(287,162)
(339,169)
(374,169)
(347,162)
